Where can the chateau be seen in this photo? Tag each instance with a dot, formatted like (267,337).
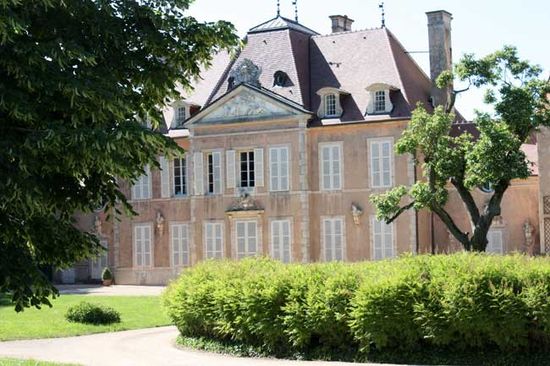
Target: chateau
(285,142)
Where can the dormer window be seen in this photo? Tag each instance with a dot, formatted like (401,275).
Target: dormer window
(230,83)
(181,115)
(379,98)
(330,106)
(379,101)
(280,78)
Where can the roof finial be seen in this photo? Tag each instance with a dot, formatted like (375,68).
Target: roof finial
(295,3)
(381,6)
(278,8)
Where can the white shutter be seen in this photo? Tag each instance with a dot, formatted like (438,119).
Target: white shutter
(230,167)
(138,246)
(274,164)
(284,168)
(375,164)
(259,167)
(147,246)
(198,174)
(176,245)
(219,241)
(164,177)
(217,166)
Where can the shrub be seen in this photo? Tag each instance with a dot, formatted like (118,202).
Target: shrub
(454,302)
(87,313)
(106,275)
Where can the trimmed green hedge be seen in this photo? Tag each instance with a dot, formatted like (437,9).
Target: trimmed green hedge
(88,313)
(461,301)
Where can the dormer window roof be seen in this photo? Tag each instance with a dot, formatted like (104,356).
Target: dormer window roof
(280,78)
(180,113)
(379,98)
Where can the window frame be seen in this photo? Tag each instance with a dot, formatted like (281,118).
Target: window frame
(214,224)
(251,169)
(374,221)
(380,141)
(331,145)
(278,176)
(183,177)
(139,183)
(178,120)
(247,253)
(332,220)
(274,255)
(332,104)
(379,102)
(187,238)
(207,173)
(137,226)
(501,235)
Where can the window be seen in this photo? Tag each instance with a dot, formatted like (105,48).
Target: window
(280,78)
(380,101)
(213,240)
(247,238)
(230,83)
(333,239)
(330,105)
(279,168)
(142,245)
(214,173)
(381,163)
(180,116)
(180,244)
(382,240)
(331,166)
(142,188)
(247,176)
(281,240)
(495,244)
(180,182)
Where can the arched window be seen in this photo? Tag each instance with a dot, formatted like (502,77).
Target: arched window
(280,78)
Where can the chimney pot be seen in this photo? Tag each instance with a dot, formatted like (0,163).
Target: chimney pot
(341,23)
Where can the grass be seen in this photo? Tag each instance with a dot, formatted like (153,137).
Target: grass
(420,357)
(135,311)
(17,362)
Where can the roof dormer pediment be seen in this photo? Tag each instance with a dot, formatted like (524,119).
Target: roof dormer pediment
(246,103)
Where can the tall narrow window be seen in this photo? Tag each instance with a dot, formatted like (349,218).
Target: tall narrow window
(382,240)
(330,105)
(180,116)
(495,244)
(380,101)
(142,188)
(247,176)
(180,244)
(279,168)
(281,240)
(247,238)
(330,156)
(180,177)
(214,172)
(142,245)
(333,239)
(213,240)
(381,163)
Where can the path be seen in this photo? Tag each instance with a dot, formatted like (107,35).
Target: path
(143,347)
(115,290)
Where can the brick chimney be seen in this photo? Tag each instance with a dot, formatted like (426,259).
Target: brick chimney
(340,23)
(441,56)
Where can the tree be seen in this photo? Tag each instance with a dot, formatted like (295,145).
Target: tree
(465,162)
(75,78)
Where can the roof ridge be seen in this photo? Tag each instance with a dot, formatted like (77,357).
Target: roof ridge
(347,32)
(394,61)
(408,54)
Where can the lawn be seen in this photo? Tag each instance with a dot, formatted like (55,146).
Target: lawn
(15,362)
(135,311)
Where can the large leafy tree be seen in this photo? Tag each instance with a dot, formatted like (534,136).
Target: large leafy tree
(75,77)
(464,162)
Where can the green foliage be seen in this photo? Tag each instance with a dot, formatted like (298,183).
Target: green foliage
(519,100)
(473,302)
(95,314)
(106,275)
(75,78)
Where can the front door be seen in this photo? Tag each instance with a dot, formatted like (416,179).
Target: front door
(100,262)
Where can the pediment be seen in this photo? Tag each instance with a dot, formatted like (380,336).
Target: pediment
(245,103)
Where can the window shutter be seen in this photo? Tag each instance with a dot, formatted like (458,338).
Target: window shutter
(217,166)
(164,177)
(175,245)
(147,245)
(284,163)
(138,245)
(274,164)
(219,241)
(230,167)
(198,173)
(259,167)
(388,104)
(375,164)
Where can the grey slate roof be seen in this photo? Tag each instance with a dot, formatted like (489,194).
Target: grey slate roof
(279,23)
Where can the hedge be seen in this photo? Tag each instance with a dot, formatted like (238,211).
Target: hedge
(89,313)
(460,301)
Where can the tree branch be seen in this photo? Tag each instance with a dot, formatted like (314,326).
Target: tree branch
(449,222)
(399,212)
(468,200)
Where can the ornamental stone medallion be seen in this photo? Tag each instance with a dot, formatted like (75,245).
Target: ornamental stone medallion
(246,72)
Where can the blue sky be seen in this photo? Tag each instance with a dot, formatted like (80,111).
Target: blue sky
(478,27)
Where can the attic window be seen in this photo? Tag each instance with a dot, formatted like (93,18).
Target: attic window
(380,101)
(330,105)
(180,115)
(280,78)
(379,98)
(230,83)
